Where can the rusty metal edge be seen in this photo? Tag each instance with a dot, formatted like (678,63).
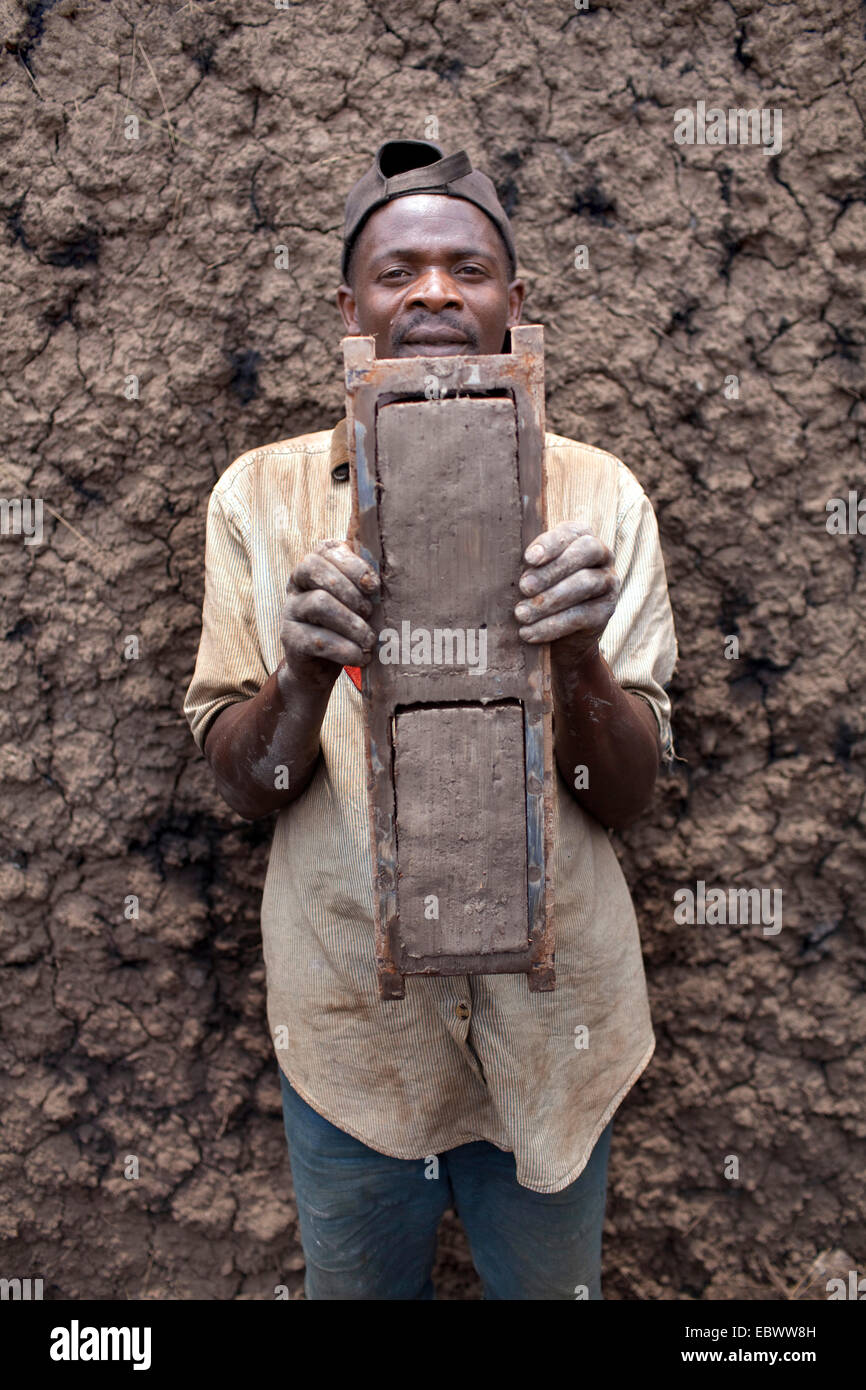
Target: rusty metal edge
(358,354)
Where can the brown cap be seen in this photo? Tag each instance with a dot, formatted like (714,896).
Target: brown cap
(418,166)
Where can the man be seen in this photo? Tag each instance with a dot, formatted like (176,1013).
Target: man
(470,1091)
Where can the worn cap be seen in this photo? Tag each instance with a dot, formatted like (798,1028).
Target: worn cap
(418,166)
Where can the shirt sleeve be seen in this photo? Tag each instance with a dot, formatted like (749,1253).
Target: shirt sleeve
(639,643)
(230,666)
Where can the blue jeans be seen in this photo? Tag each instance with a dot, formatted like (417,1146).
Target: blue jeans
(369,1222)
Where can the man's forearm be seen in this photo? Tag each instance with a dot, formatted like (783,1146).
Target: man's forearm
(610,732)
(263,751)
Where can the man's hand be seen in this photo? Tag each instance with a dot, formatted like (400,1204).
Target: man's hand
(323,619)
(570,589)
(264,750)
(606,734)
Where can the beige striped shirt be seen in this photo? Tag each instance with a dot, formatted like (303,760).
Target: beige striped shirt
(467,1057)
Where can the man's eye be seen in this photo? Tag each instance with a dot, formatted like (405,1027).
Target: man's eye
(393,271)
(471,269)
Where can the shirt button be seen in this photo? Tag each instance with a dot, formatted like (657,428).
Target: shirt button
(463,1010)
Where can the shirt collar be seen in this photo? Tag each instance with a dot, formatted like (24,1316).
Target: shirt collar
(339,462)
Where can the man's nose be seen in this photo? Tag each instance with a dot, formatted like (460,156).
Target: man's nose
(435,290)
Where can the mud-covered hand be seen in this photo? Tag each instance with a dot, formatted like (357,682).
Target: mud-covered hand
(570,591)
(324,616)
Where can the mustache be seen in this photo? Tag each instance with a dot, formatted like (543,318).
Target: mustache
(421,321)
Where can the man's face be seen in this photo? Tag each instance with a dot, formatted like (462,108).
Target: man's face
(430,278)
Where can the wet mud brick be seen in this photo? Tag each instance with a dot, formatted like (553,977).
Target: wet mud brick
(446,460)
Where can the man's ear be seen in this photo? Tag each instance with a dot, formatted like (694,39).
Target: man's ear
(516,296)
(348,307)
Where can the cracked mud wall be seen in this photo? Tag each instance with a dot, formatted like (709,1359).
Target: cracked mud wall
(155,258)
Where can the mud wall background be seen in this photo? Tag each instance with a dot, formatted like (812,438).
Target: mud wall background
(152,332)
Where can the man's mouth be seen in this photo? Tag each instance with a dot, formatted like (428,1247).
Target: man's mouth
(435,335)
(435,342)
